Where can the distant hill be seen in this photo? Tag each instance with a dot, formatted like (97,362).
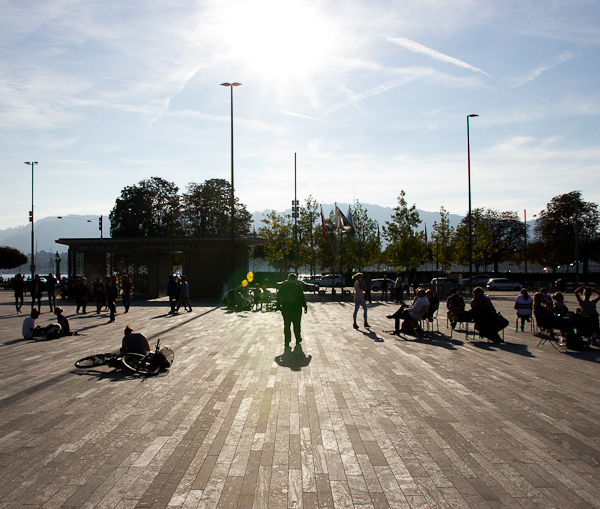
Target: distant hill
(49,229)
(376,212)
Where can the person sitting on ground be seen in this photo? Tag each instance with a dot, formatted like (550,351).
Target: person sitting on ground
(30,330)
(134,342)
(589,312)
(524,307)
(65,329)
(455,307)
(412,313)
(486,316)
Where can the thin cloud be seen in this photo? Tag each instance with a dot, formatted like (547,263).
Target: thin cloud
(135,82)
(374,91)
(308,117)
(14,83)
(565,56)
(415,47)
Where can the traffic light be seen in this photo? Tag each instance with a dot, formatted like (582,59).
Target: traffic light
(31,216)
(100,223)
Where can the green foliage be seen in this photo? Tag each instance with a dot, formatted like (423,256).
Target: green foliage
(406,247)
(11,258)
(363,248)
(308,233)
(442,247)
(278,229)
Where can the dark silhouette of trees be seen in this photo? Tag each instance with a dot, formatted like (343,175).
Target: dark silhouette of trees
(206,210)
(148,209)
(11,258)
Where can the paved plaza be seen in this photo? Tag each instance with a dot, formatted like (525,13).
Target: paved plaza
(361,419)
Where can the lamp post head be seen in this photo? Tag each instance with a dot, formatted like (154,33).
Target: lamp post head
(472,115)
(32,163)
(230,84)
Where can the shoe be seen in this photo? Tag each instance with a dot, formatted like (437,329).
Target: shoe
(366,325)
(355,326)
(389,317)
(522,329)
(190,310)
(453,325)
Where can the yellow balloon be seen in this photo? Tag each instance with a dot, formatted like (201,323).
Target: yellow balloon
(244,283)
(250,276)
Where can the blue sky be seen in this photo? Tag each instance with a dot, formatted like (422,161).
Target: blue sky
(371,95)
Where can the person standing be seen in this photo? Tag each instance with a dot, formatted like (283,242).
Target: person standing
(19,288)
(384,288)
(184,296)
(111,297)
(359,297)
(290,300)
(172,293)
(398,288)
(126,285)
(369,286)
(36,292)
(82,295)
(98,291)
(51,287)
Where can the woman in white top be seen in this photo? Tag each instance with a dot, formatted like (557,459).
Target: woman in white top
(359,297)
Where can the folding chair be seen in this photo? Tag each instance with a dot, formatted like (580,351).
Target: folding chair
(525,310)
(546,334)
(531,324)
(457,315)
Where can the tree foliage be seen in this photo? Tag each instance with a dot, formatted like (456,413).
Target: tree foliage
(363,247)
(11,258)
(149,209)
(206,210)
(278,230)
(442,248)
(554,229)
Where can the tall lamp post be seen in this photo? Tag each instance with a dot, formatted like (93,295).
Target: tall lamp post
(470,220)
(32,267)
(231,85)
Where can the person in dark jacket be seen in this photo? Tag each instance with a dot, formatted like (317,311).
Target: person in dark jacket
(290,301)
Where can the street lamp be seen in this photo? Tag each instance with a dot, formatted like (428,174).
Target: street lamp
(32,267)
(469,177)
(231,85)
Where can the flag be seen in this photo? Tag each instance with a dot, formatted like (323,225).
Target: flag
(323,224)
(351,232)
(341,221)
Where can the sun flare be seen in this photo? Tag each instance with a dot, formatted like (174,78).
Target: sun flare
(279,40)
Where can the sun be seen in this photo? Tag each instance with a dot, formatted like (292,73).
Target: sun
(280,40)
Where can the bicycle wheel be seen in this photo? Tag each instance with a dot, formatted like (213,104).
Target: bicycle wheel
(91,361)
(140,363)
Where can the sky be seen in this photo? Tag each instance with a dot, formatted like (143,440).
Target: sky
(372,97)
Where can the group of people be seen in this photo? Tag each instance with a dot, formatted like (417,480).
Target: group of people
(178,290)
(36,287)
(55,330)
(245,299)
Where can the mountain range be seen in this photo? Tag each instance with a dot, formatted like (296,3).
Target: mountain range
(49,229)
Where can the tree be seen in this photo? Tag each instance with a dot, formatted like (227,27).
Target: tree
(481,240)
(307,236)
(406,248)
(443,232)
(278,229)
(555,228)
(149,209)
(364,247)
(206,210)
(11,258)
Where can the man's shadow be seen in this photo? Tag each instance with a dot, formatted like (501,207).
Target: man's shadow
(295,360)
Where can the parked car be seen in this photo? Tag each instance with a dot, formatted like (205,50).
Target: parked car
(327,281)
(439,280)
(501,283)
(478,280)
(306,286)
(376,284)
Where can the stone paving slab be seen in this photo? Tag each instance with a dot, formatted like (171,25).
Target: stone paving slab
(365,421)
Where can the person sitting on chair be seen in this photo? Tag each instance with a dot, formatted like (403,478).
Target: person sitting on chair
(546,319)
(455,306)
(134,342)
(524,307)
(414,312)
(486,316)
(434,305)
(588,311)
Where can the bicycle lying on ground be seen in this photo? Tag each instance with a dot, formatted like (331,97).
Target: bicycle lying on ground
(149,364)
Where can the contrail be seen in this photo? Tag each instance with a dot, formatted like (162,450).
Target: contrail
(415,47)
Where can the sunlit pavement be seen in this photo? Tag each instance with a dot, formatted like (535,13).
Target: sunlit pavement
(361,419)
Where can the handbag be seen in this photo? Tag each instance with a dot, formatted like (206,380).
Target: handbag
(502,322)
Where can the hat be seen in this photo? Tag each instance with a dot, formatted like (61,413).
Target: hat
(128,330)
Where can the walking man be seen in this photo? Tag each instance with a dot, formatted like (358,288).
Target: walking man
(290,300)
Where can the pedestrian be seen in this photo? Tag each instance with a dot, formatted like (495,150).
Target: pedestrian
(19,288)
(384,288)
(36,292)
(51,288)
(406,285)
(359,298)
(184,296)
(290,300)
(82,295)
(369,286)
(415,283)
(257,297)
(172,289)
(126,286)
(111,297)
(398,288)
(99,292)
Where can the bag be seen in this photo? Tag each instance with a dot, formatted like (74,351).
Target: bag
(164,358)
(502,322)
